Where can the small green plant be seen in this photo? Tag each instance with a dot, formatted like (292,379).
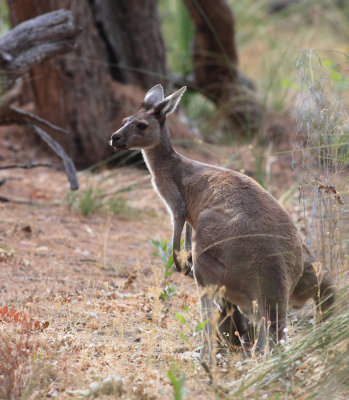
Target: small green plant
(177,383)
(87,201)
(93,198)
(188,331)
(163,249)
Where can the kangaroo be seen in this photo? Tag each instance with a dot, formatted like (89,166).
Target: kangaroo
(245,244)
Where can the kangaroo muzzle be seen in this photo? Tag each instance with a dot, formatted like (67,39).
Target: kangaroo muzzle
(117,141)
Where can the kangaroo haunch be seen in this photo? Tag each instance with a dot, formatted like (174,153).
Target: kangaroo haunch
(246,245)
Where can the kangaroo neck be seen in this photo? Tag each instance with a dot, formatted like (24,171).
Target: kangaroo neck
(160,159)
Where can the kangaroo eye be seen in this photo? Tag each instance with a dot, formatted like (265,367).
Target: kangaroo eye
(141,126)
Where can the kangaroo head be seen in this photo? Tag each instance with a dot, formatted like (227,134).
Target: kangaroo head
(145,128)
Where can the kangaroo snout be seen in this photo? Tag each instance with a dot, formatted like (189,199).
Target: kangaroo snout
(115,138)
(117,141)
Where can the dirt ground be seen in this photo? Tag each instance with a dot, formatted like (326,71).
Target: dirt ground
(96,282)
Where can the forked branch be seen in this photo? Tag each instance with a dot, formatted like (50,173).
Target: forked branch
(34,41)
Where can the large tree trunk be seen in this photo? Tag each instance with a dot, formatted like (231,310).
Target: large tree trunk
(136,50)
(28,44)
(215,64)
(77,91)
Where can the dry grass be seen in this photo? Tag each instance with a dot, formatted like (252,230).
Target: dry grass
(94,279)
(97,284)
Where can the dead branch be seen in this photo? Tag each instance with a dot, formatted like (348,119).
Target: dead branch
(58,149)
(26,116)
(34,41)
(26,166)
(12,95)
(12,115)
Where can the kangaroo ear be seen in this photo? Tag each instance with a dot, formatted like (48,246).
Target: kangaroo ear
(153,97)
(170,103)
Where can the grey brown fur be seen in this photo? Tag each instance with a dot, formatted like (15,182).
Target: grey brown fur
(245,241)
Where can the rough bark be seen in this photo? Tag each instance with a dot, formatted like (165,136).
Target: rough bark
(72,91)
(26,45)
(34,41)
(215,62)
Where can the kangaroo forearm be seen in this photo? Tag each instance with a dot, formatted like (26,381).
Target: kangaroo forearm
(177,233)
(188,235)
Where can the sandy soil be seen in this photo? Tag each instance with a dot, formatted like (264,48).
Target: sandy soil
(96,282)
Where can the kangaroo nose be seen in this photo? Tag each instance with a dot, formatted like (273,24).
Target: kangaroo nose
(115,138)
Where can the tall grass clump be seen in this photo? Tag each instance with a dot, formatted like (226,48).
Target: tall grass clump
(322,157)
(312,365)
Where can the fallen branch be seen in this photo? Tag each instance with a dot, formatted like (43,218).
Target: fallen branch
(25,166)
(34,41)
(12,115)
(58,149)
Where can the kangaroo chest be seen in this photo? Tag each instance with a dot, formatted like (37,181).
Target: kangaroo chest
(169,192)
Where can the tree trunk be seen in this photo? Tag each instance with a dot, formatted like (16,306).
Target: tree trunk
(131,31)
(28,44)
(77,91)
(215,62)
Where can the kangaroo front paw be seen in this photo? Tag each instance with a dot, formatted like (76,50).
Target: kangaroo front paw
(188,268)
(185,261)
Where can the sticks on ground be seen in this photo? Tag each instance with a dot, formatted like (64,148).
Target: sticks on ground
(12,115)
(25,166)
